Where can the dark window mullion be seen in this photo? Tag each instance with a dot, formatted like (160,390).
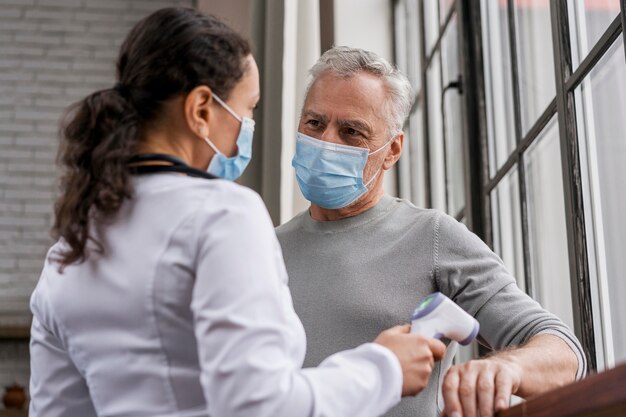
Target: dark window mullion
(572,184)
(517,112)
(474,119)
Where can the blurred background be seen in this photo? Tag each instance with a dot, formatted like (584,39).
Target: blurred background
(517,130)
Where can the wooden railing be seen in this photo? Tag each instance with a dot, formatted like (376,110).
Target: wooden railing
(601,395)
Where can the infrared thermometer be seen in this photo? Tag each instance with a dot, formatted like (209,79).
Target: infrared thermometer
(437,316)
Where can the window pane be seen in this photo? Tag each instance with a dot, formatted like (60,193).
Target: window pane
(444,9)
(417,158)
(546,224)
(453,122)
(600,104)
(413,43)
(498,83)
(400,36)
(507,225)
(431,23)
(411,167)
(589,19)
(435,135)
(405,180)
(535,60)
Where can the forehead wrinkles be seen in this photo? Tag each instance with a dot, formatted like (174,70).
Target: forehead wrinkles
(331,93)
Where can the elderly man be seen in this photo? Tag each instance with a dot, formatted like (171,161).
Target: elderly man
(359,260)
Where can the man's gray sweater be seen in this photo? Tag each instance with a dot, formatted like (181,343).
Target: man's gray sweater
(352,278)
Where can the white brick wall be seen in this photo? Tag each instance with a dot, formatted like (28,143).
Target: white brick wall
(52,53)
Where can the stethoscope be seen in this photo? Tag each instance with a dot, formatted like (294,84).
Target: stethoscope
(177,165)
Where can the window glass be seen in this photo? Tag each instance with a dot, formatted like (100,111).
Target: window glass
(546,223)
(444,9)
(400,36)
(507,225)
(418,158)
(404,169)
(413,43)
(498,82)
(435,135)
(535,67)
(600,104)
(589,19)
(453,123)
(431,24)
(401,58)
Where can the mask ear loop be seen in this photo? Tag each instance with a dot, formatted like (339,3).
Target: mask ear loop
(227,108)
(212,145)
(232,112)
(373,178)
(376,151)
(384,146)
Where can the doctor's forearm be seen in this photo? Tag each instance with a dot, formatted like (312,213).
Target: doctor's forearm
(545,362)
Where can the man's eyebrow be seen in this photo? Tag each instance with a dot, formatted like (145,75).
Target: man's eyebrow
(355,124)
(316,116)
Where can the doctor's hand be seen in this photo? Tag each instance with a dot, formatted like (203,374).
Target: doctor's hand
(417,355)
(480,387)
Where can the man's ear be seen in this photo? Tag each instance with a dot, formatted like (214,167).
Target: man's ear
(394,152)
(198,110)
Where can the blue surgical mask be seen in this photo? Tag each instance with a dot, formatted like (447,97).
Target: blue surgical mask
(232,168)
(330,175)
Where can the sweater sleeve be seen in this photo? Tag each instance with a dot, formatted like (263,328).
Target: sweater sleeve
(244,325)
(473,276)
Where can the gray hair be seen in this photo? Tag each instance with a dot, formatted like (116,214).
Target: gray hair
(347,62)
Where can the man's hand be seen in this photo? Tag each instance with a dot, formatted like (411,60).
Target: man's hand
(480,387)
(544,363)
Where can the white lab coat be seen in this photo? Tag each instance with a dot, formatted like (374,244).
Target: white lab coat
(188,313)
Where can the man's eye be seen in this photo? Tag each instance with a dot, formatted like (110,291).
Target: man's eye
(313,123)
(352,132)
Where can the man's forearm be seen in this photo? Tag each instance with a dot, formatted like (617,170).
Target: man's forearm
(483,386)
(545,362)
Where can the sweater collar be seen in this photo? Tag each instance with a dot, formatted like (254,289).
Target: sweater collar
(380,209)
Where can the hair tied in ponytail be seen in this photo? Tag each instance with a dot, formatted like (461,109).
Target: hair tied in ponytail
(121,89)
(166,55)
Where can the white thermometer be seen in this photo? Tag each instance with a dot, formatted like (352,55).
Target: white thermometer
(437,316)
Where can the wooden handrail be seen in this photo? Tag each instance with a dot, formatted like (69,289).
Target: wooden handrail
(600,395)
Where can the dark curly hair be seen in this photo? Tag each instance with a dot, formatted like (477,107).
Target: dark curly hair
(165,55)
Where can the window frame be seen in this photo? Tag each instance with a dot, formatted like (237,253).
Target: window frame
(478,182)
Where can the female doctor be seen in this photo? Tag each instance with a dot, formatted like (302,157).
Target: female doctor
(166,293)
